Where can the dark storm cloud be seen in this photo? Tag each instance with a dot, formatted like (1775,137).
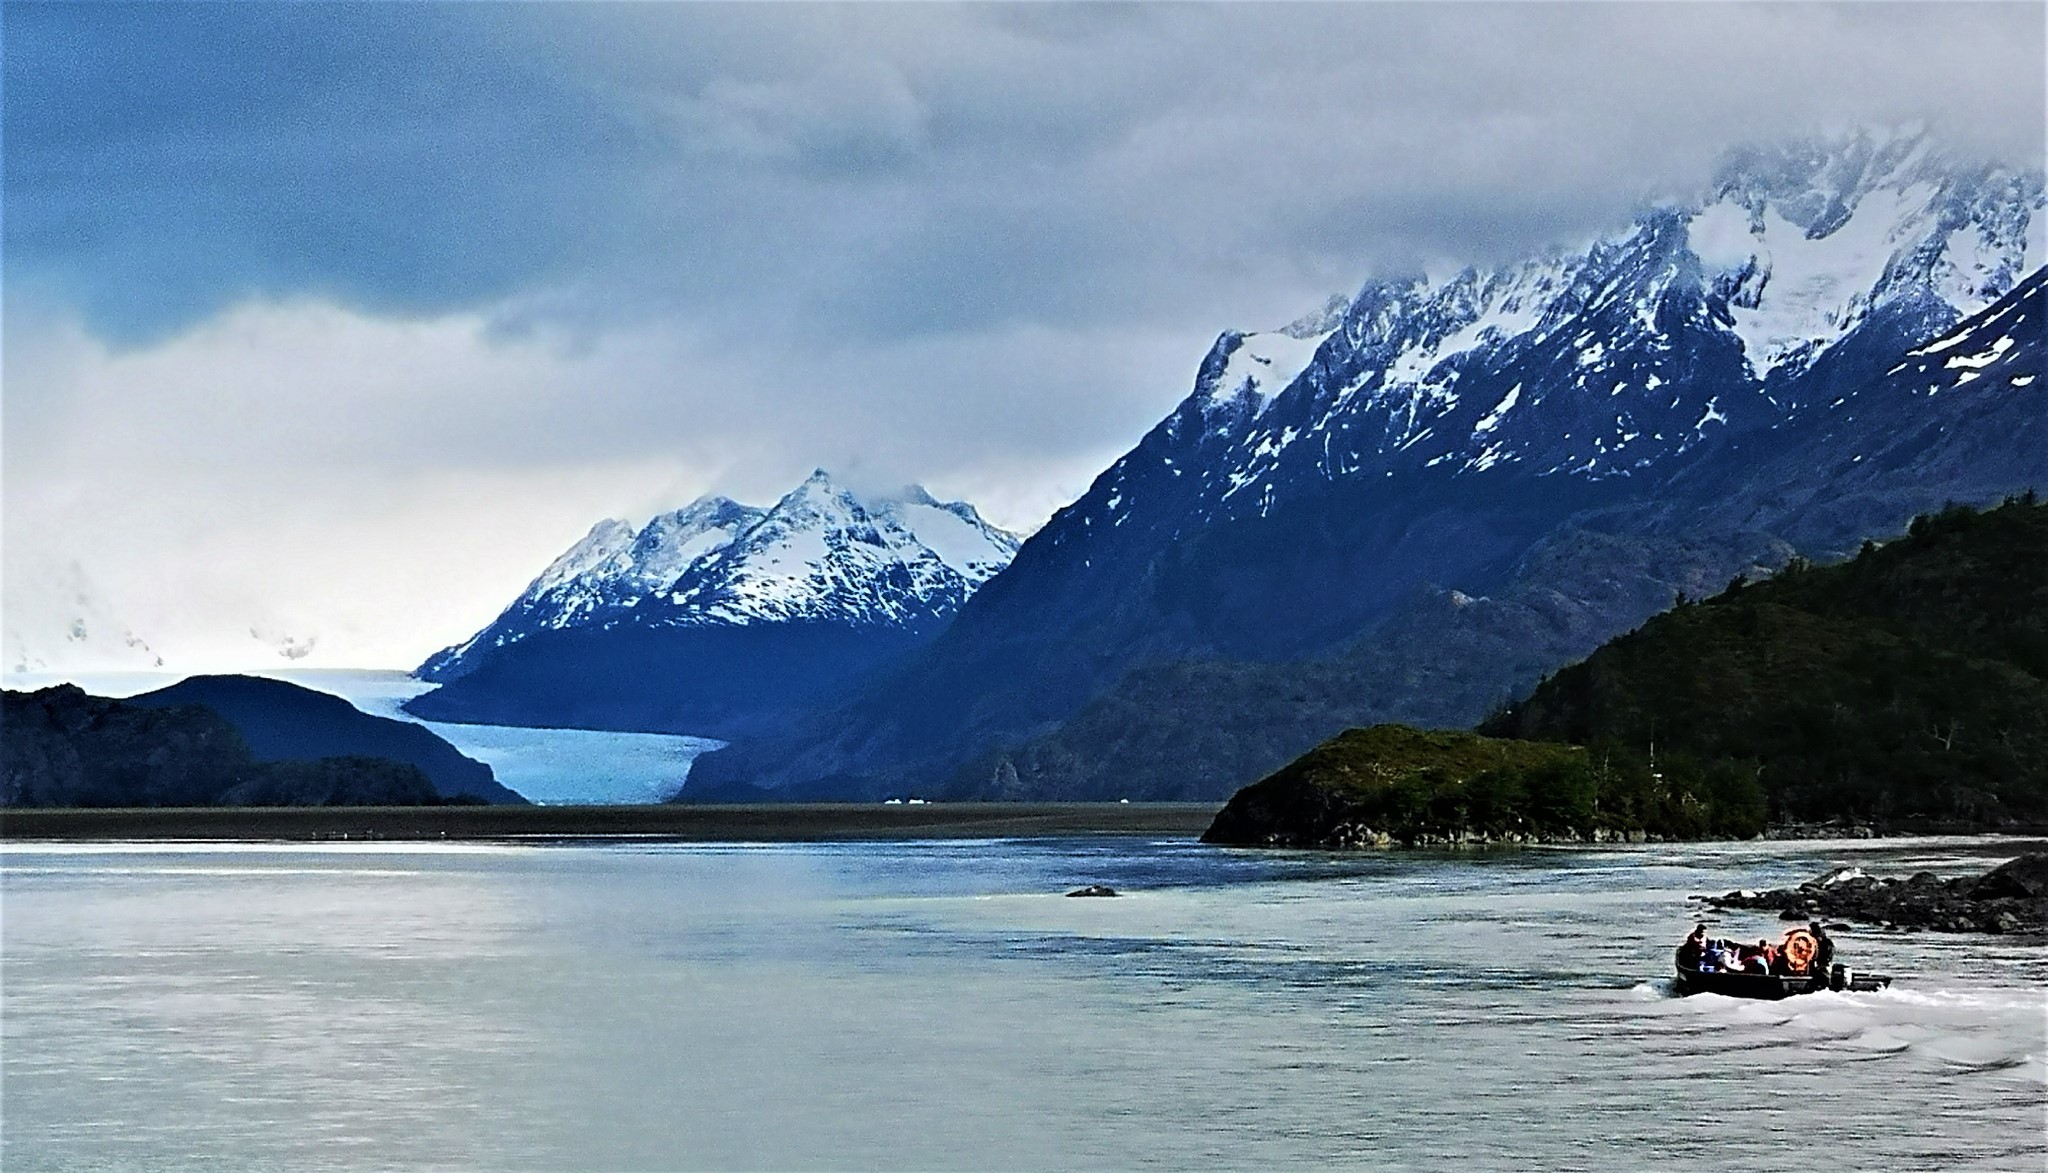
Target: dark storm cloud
(893,169)
(166,160)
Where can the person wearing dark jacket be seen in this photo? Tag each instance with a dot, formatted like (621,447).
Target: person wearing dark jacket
(1694,950)
(1824,951)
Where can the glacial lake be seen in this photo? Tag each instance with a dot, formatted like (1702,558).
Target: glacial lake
(941,1005)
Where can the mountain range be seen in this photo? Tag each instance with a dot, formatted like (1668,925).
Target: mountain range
(1412,503)
(716,615)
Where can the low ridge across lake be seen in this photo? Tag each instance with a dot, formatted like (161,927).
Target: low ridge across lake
(1803,963)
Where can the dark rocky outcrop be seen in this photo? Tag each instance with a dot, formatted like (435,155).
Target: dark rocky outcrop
(283,722)
(1094,890)
(2011,898)
(61,747)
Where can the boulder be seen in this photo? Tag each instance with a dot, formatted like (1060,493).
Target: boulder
(2024,878)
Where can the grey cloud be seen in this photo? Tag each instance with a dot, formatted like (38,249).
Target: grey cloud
(715,245)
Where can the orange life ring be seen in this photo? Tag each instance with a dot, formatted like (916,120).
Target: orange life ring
(1801,947)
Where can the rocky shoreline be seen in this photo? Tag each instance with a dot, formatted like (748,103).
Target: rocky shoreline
(2010,898)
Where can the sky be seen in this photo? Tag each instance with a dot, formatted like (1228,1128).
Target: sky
(327,326)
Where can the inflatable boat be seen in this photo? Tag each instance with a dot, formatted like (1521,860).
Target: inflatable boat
(1800,965)
(1777,985)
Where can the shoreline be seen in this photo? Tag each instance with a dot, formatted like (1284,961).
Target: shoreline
(763,823)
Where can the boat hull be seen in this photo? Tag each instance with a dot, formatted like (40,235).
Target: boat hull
(1770,986)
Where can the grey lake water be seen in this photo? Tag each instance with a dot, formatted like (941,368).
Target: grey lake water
(940,1005)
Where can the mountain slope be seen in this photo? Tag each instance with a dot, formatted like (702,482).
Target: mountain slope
(1979,428)
(1907,686)
(1909,681)
(1442,433)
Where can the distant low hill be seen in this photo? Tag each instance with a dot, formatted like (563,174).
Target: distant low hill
(65,748)
(1907,686)
(281,722)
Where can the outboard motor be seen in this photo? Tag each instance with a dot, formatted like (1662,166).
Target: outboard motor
(1841,978)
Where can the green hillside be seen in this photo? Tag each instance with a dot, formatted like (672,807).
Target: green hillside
(1908,684)
(1907,687)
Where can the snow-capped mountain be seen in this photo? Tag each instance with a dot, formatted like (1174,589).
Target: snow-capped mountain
(1694,322)
(823,555)
(1428,432)
(830,579)
(612,570)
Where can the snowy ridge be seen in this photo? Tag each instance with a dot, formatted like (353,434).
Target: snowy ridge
(823,555)
(1807,240)
(820,554)
(1596,364)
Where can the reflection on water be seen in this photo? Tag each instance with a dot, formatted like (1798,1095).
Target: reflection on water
(940,1005)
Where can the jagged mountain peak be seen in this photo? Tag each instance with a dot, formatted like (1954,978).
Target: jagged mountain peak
(1816,181)
(1316,324)
(821,553)
(1694,324)
(608,545)
(1805,241)
(826,554)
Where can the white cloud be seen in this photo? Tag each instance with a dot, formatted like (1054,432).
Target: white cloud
(381,486)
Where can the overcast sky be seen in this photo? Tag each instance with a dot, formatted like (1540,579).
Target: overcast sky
(339,321)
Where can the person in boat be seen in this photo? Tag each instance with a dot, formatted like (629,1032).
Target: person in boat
(1692,953)
(1781,962)
(1824,953)
(1750,958)
(1720,956)
(1764,957)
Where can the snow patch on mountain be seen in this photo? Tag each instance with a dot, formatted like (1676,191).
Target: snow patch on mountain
(1805,241)
(1257,367)
(953,531)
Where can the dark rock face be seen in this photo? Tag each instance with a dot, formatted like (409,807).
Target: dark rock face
(62,747)
(2025,878)
(2012,898)
(282,722)
(1094,890)
(734,680)
(335,781)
